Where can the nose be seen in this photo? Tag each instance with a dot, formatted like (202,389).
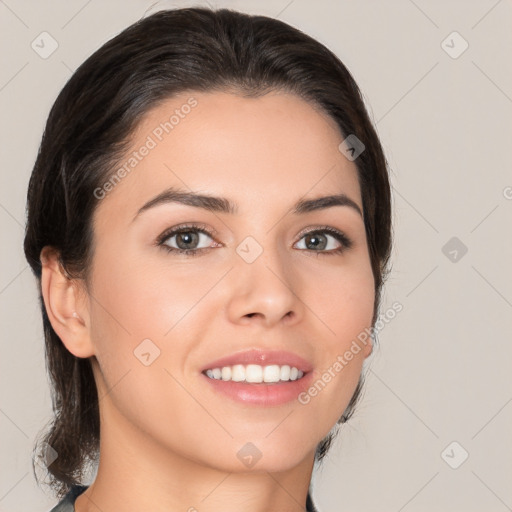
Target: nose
(263,292)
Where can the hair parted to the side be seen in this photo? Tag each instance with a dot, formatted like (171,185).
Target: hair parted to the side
(90,127)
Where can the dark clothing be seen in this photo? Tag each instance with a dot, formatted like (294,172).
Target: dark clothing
(68,502)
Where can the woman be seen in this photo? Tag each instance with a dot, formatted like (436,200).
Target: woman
(209,221)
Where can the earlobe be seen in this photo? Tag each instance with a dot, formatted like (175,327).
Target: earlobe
(368,349)
(65,309)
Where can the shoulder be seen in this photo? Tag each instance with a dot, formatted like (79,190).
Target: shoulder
(67,504)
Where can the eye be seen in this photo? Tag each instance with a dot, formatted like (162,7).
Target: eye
(325,240)
(188,240)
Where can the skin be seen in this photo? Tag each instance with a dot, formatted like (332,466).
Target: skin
(168,441)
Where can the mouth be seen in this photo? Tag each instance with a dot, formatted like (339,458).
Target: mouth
(255,373)
(262,394)
(257,377)
(247,363)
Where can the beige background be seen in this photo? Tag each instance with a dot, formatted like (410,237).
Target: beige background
(443,369)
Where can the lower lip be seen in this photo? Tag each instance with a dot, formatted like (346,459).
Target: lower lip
(262,394)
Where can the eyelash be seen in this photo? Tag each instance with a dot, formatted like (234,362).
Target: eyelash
(346,243)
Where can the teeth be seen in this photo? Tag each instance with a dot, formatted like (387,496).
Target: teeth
(271,373)
(238,373)
(254,373)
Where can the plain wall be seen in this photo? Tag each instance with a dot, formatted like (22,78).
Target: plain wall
(442,371)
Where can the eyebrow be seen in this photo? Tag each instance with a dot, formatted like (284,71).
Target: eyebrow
(224,205)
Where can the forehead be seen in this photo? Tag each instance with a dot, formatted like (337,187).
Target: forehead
(262,152)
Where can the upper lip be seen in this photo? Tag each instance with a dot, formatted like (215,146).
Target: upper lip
(263,358)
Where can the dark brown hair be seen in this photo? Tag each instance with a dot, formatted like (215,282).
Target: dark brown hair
(91,124)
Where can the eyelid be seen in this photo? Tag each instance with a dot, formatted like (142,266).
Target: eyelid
(192,226)
(346,241)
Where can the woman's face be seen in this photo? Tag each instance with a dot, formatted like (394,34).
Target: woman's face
(158,318)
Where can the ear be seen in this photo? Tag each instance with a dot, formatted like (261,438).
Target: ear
(66,305)
(368,349)
(368,345)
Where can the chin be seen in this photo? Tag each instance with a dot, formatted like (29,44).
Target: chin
(260,455)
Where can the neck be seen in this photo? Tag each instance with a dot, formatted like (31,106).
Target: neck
(137,473)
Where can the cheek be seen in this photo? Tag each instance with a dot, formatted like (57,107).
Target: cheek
(142,300)
(133,309)
(142,314)
(344,301)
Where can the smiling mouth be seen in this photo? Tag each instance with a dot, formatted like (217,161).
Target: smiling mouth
(255,373)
